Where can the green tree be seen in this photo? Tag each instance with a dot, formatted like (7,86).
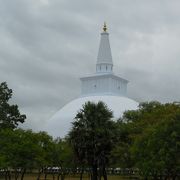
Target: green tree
(61,156)
(157,149)
(45,143)
(120,154)
(10,116)
(21,150)
(151,138)
(92,136)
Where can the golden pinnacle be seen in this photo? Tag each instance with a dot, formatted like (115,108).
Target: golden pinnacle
(105,27)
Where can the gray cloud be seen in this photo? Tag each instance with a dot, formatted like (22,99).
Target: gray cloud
(45,46)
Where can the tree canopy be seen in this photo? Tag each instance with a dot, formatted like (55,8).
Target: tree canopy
(10,116)
(149,139)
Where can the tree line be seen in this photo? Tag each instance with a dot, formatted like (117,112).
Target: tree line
(146,139)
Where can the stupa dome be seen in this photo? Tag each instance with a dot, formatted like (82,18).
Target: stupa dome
(103,85)
(60,123)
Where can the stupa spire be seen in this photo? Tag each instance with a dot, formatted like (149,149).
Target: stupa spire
(105,27)
(104,60)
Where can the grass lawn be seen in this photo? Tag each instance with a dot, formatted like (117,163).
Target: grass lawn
(50,177)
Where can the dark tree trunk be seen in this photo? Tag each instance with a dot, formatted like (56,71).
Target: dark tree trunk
(39,174)
(63,172)
(100,173)
(62,176)
(9,175)
(58,176)
(16,174)
(60,172)
(2,174)
(5,174)
(104,173)
(45,175)
(94,172)
(23,173)
(155,177)
(89,175)
(53,176)
(81,174)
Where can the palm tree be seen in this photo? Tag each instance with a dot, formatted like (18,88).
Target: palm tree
(92,137)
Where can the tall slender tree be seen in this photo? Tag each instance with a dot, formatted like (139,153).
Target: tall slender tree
(92,137)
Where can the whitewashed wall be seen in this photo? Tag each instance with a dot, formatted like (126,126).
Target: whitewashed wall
(103,84)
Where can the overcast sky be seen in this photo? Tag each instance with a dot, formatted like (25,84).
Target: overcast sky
(46,45)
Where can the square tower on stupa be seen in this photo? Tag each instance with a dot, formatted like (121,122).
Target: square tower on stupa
(104,81)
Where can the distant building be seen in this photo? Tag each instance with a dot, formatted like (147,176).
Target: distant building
(104,86)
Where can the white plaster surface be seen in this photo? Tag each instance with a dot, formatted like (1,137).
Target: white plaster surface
(104,53)
(60,123)
(104,84)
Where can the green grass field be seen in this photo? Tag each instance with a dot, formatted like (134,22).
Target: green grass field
(50,177)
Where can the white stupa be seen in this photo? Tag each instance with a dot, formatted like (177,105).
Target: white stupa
(104,86)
